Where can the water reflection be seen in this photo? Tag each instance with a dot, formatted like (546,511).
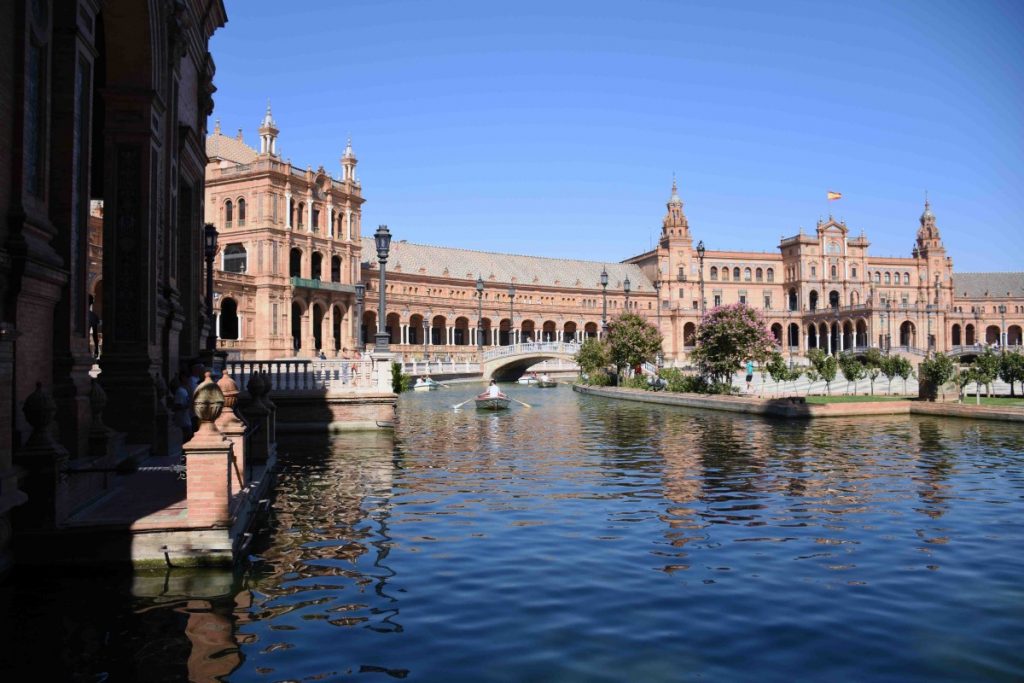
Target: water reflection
(586,539)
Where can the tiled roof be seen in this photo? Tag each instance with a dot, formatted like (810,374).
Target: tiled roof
(466,264)
(988,284)
(220,146)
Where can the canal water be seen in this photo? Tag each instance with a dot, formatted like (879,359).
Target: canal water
(584,539)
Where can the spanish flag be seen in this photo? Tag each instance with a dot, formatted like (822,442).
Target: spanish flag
(834,195)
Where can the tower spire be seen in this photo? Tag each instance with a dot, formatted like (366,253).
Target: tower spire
(675,223)
(268,133)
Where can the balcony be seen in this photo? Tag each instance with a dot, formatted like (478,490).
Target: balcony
(322,285)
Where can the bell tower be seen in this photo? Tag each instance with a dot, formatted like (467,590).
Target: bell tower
(675,225)
(928,238)
(268,134)
(348,163)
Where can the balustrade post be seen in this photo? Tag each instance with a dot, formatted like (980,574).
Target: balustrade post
(207,460)
(233,428)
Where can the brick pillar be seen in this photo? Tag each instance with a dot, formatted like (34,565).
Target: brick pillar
(232,427)
(207,458)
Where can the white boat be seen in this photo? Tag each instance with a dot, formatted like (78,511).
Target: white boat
(527,380)
(426,385)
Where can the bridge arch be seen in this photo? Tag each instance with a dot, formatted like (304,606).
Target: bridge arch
(508,363)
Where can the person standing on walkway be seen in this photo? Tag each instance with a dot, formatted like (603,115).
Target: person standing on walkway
(750,374)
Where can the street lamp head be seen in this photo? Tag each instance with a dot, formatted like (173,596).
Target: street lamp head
(657,285)
(1002,308)
(360,291)
(511,291)
(480,284)
(625,285)
(604,277)
(700,249)
(383,240)
(210,240)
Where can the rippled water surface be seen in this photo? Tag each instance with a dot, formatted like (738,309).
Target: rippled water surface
(585,539)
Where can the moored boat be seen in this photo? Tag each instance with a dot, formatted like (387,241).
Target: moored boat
(427,385)
(546,384)
(527,380)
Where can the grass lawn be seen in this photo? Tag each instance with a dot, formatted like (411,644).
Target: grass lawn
(842,398)
(1016,402)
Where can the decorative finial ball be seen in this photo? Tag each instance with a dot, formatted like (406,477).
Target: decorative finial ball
(209,400)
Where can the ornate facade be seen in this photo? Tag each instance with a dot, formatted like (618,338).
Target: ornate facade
(102,100)
(278,296)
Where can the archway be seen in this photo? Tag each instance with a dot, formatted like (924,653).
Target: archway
(504,332)
(528,331)
(814,299)
(812,337)
(848,340)
(833,299)
(297,311)
(439,331)
(295,262)
(569,332)
(794,335)
(462,331)
(689,335)
(486,332)
(368,329)
(1013,335)
(969,337)
(318,327)
(335,269)
(777,333)
(590,330)
(316,265)
(956,335)
(550,329)
(415,329)
(336,317)
(228,319)
(908,334)
(393,325)
(992,334)
(233,259)
(862,334)
(793,300)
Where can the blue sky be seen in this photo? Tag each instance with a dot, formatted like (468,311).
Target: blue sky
(553,128)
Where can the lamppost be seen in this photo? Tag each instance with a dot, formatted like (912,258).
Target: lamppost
(1002,328)
(511,314)
(210,250)
(604,301)
(657,303)
(625,288)
(382,238)
(888,324)
(360,300)
(480,313)
(426,333)
(700,266)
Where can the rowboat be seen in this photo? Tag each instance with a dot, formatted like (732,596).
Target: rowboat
(546,384)
(429,385)
(527,380)
(491,402)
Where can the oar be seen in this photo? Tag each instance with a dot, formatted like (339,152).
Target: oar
(525,405)
(456,407)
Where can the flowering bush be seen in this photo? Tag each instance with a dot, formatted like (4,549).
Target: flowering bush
(728,336)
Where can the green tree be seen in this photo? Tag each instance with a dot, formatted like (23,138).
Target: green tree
(776,367)
(904,369)
(825,368)
(873,360)
(962,378)
(986,369)
(592,356)
(632,341)
(852,369)
(889,369)
(812,375)
(728,336)
(793,375)
(938,370)
(1011,368)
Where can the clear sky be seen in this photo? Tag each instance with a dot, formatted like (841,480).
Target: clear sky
(553,128)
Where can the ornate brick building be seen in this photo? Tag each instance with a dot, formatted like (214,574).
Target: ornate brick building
(99,100)
(277,295)
(289,248)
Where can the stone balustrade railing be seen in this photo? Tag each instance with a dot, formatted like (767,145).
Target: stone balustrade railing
(532,347)
(309,375)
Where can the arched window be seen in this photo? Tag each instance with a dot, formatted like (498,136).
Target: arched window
(853,272)
(888,279)
(771,275)
(906,278)
(746,274)
(725,273)
(878,278)
(759,275)
(229,213)
(295,263)
(300,214)
(241,211)
(316,265)
(335,269)
(291,212)
(228,319)
(736,273)
(234,259)
(714,273)
(835,272)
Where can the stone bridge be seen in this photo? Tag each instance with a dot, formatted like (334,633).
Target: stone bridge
(508,363)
